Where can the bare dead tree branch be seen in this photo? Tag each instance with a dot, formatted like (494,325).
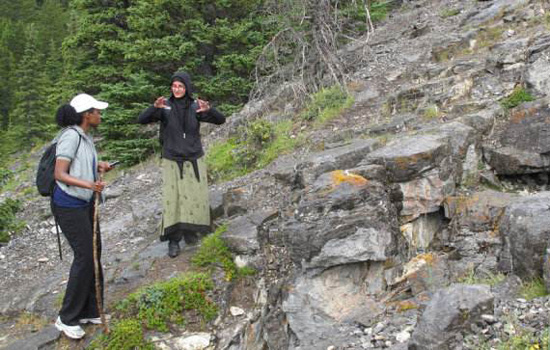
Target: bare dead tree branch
(304,54)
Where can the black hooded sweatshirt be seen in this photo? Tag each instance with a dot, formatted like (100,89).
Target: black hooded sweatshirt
(180,125)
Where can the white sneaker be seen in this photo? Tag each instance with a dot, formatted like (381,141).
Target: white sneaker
(94,320)
(73,332)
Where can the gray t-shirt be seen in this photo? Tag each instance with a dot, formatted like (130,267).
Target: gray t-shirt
(82,166)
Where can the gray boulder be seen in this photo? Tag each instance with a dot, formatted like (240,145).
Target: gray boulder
(410,157)
(480,211)
(450,313)
(241,235)
(45,338)
(512,161)
(525,227)
(333,217)
(524,143)
(495,9)
(538,72)
(322,310)
(343,157)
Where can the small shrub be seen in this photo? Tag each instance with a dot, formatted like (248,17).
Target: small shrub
(164,303)
(282,143)
(214,252)
(533,289)
(221,161)
(246,271)
(256,136)
(326,104)
(8,221)
(489,278)
(432,112)
(260,144)
(489,36)
(521,339)
(259,133)
(5,176)
(517,97)
(124,334)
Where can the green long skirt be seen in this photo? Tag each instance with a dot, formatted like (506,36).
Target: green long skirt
(185,200)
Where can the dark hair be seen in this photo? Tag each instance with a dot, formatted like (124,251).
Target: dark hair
(66,116)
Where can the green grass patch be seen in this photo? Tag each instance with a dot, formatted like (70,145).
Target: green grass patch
(260,143)
(491,279)
(326,104)
(5,176)
(214,252)
(125,334)
(533,289)
(8,221)
(489,36)
(431,113)
(282,143)
(517,97)
(221,162)
(165,303)
(526,340)
(521,340)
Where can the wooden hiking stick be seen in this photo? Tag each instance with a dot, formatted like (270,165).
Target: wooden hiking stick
(98,294)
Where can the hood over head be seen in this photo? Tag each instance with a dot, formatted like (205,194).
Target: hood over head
(186,80)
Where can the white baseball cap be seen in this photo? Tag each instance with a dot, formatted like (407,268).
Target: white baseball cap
(83,102)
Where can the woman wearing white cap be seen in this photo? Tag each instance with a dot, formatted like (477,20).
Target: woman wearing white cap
(76,175)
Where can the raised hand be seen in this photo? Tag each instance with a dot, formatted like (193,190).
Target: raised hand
(204,106)
(160,102)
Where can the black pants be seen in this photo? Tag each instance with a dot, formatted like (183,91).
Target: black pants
(80,296)
(188,236)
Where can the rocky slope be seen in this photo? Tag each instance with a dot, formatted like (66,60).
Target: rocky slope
(363,237)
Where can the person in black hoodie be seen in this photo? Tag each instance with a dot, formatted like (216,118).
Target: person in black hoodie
(186,208)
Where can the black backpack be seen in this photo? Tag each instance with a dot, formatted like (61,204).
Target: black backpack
(45,180)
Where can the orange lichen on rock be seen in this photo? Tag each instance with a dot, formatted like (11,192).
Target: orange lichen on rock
(427,257)
(340,176)
(405,305)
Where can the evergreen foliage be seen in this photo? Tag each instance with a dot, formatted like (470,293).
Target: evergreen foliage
(8,221)
(30,112)
(165,303)
(125,52)
(517,97)
(125,334)
(30,72)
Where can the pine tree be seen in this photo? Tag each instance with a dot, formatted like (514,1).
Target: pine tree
(51,19)
(7,65)
(30,113)
(54,73)
(125,52)
(88,52)
(217,42)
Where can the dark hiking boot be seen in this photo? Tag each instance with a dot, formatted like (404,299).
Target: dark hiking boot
(173,249)
(190,238)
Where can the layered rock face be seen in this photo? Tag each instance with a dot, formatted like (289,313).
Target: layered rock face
(427,180)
